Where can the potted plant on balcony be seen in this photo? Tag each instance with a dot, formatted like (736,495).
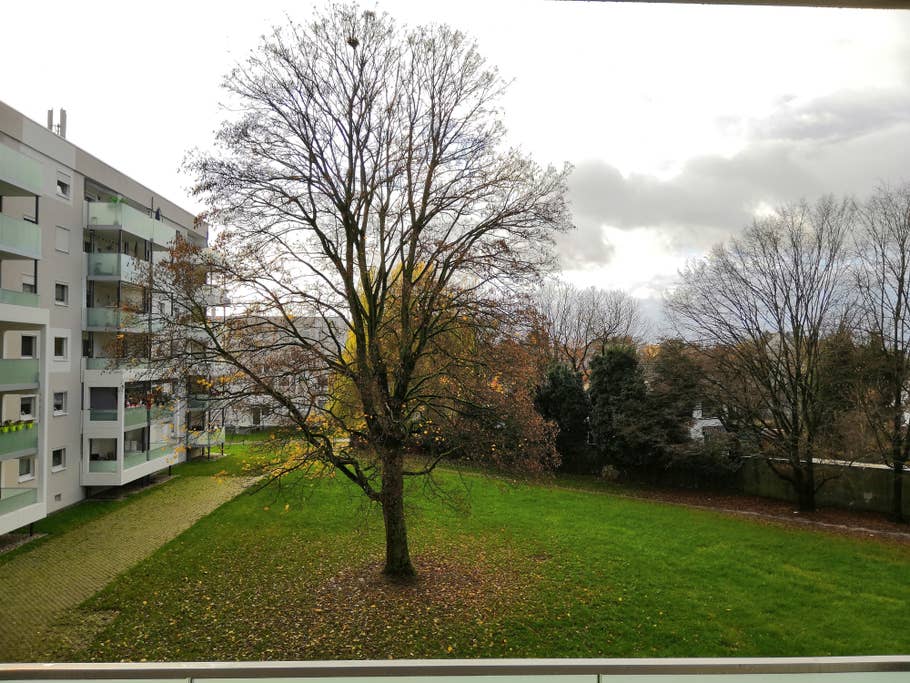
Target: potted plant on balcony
(29,424)
(5,427)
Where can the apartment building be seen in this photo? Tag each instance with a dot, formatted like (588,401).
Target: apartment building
(78,412)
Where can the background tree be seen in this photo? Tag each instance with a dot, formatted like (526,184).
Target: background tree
(883,284)
(581,322)
(561,398)
(759,309)
(366,160)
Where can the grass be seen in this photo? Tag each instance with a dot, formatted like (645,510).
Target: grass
(530,571)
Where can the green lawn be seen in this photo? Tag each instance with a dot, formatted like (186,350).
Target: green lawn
(529,571)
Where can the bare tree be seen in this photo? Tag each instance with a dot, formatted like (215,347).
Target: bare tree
(365,185)
(883,283)
(580,322)
(760,308)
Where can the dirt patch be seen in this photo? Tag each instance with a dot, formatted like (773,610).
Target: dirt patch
(454,603)
(12,541)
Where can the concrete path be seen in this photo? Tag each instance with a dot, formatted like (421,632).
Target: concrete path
(39,586)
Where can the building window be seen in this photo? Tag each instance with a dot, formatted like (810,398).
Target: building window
(62,241)
(27,407)
(58,459)
(60,348)
(26,468)
(64,185)
(28,284)
(59,403)
(29,344)
(62,294)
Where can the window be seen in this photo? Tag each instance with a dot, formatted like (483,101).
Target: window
(29,344)
(64,185)
(26,468)
(27,407)
(59,403)
(28,284)
(62,240)
(60,348)
(58,459)
(61,294)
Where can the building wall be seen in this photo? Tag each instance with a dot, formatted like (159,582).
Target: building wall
(62,222)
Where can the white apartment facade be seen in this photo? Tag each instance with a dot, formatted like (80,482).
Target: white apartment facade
(76,239)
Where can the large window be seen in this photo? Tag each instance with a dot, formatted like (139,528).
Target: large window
(62,294)
(26,468)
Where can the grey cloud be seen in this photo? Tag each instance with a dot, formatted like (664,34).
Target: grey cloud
(713,197)
(839,116)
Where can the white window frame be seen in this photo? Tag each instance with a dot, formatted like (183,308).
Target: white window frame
(66,294)
(66,180)
(30,475)
(34,339)
(31,415)
(64,410)
(62,465)
(66,349)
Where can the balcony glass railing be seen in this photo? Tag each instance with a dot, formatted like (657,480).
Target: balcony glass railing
(134,458)
(102,414)
(10,296)
(211,437)
(20,175)
(15,499)
(120,266)
(107,214)
(18,371)
(135,416)
(102,466)
(20,440)
(20,237)
(117,319)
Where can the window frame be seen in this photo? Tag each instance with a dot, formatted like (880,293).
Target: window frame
(65,409)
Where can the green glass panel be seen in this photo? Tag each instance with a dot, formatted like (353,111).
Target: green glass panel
(18,371)
(135,416)
(16,499)
(20,237)
(20,440)
(103,415)
(19,175)
(9,296)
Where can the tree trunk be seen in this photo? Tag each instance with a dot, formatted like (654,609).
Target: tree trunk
(897,495)
(397,556)
(804,483)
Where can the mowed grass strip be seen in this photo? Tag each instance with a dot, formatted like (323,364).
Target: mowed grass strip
(530,571)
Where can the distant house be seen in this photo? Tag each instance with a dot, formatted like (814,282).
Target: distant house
(704,423)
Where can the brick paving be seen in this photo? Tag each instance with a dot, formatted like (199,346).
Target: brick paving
(38,587)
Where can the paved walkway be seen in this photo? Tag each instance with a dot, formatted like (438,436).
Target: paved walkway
(38,587)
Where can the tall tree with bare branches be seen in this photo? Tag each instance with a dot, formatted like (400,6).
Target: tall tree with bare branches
(365,185)
(760,308)
(581,322)
(883,284)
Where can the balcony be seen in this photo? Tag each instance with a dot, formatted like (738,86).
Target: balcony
(19,238)
(215,295)
(18,443)
(135,458)
(116,364)
(13,499)
(201,439)
(112,266)
(102,414)
(14,298)
(20,176)
(139,415)
(124,217)
(118,320)
(18,373)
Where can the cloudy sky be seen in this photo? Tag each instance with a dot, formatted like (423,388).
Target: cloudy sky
(682,122)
